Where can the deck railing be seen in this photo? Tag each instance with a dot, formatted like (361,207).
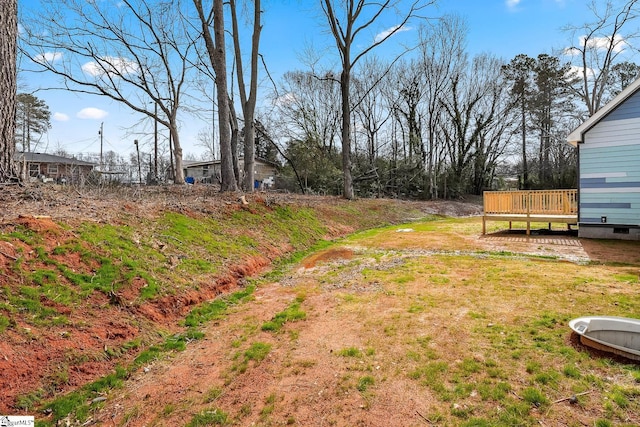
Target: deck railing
(531,206)
(533,202)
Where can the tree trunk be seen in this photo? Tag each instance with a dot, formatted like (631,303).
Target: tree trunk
(8,47)
(525,169)
(177,151)
(235,131)
(345,79)
(217,56)
(248,102)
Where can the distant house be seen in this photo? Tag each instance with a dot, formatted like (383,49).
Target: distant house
(608,145)
(209,171)
(52,168)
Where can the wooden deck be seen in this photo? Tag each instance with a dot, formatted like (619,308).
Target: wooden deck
(550,206)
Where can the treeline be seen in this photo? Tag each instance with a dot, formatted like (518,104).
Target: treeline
(438,124)
(433,122)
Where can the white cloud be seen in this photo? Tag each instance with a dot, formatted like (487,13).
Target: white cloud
(60,117)
(384,34)
(577,72)
(597,43)
(603,43)
(47,57)
(512,4)
(91,113)
(110,65)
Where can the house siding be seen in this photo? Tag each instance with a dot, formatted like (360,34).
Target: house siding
(262,171)
(629,109)
(610,175)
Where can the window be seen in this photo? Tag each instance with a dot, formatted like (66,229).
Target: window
(205,170)
(52,169)
(34,169)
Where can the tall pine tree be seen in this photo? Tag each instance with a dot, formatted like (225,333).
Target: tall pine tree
(8,49)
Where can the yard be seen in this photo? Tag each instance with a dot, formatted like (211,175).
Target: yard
(421,324)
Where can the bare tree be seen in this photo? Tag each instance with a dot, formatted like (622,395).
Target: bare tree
(206,140)
(307,118)
(308,109)
(356,16)
(217,56)
(136,54)
(442,52)
(597,48)
(8,46)
(371,111)
(248,102)
(475,106)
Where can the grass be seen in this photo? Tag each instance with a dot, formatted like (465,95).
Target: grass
(75,402)
(256,353)
(481,335)
(209,417)
(492,325)
(292,313)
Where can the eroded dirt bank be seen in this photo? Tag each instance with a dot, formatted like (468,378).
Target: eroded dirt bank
(59,333)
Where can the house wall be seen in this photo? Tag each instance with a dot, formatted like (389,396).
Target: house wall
(610,175)
(200,173)
(57,171)
(262,171)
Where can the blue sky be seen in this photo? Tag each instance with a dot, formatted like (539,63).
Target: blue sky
(501,27)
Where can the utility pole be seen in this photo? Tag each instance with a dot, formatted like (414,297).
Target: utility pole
(100,132)
(139,169)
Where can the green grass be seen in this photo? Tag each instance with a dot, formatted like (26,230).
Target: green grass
(256,352)
(209,417)
(292,313)
(217,308)
(365,382)
(350,352)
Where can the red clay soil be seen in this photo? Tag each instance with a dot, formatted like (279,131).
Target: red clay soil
(60,358)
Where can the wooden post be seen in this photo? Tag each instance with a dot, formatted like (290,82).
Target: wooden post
(528,213)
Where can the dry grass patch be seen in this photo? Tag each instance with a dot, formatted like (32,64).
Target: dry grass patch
(484,334)
(424,327)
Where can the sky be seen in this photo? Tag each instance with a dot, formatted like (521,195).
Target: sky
(504,28)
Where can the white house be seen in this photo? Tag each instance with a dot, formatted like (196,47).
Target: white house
(209,171)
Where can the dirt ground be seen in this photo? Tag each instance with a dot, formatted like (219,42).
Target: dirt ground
(300,382)
(302,373)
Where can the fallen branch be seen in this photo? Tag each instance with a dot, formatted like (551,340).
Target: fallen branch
(423,417)
(571,397)
(8,256)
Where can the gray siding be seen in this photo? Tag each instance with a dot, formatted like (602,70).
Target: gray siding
(629,109)
(610,168)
